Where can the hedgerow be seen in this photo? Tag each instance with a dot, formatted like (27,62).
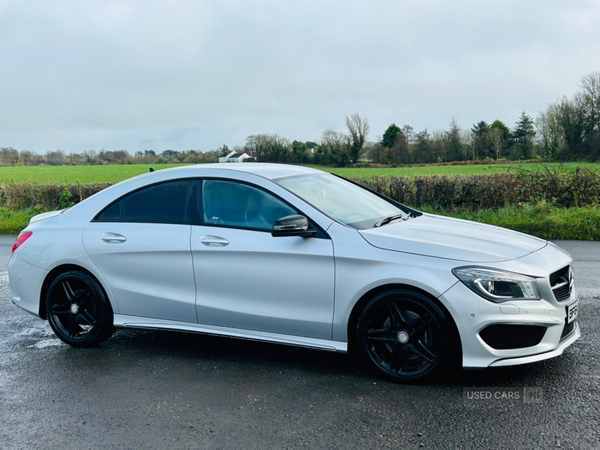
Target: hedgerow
(560,188)
(557,187)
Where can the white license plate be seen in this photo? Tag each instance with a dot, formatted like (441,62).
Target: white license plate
(572,311)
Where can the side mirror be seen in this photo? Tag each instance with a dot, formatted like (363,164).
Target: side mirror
(292,226)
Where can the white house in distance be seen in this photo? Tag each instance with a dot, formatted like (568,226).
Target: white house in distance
(233,156)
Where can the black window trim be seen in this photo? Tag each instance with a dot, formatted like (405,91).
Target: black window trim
(186,218)
(321,233)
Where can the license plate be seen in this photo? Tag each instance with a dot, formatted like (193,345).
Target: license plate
(572,311)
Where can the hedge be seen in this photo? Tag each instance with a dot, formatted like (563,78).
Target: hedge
(556,187)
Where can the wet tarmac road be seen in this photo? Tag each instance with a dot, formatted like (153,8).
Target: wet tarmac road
(146,389)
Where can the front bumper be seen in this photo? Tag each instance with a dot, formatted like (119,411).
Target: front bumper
(473,314)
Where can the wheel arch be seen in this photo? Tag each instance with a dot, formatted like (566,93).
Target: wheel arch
(58,270)
(360,305)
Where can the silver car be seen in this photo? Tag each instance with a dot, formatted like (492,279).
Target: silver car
(296,256)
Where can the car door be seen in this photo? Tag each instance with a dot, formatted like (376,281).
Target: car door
(248,279)
(141,244)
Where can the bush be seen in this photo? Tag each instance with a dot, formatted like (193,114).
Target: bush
(472,193)
(557,187)
(47,196)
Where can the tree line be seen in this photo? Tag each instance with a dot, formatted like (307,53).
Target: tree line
(12,157)
(567,130)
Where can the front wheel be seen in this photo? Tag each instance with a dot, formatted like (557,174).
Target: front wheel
(78,311)
(405,335)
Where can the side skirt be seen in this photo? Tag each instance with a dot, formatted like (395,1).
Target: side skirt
(147,323)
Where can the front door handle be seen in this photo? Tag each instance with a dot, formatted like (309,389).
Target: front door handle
(214,241)
(113,238)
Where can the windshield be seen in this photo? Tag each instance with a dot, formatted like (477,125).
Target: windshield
(341,200)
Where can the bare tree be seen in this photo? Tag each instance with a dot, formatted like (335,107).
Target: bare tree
(549,131)
(495,138)
(358,128)
(268,147)
(589,98)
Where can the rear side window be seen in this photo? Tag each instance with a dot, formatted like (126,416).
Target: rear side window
(160,203)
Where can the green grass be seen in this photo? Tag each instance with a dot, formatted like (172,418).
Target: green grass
(472,169)
(76,174)
(12,222)
(541,220)
(115,173)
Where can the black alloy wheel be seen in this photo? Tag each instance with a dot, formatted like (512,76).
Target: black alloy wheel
(405,335)
(78,310)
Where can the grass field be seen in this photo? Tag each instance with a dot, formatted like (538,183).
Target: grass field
(473,169)
(114,173)
(76,174)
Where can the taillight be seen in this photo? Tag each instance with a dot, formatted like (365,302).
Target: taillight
(23,236)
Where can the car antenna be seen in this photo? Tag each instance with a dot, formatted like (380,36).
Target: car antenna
(151,169)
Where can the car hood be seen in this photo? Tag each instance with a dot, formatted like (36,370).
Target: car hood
(445,237)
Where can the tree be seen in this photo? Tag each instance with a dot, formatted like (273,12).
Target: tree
(335,148)
(390,135)
(480,140)
(299,152)
(499,137)
(522,137)
(8,156)
(453,143)
(378,153)
(423,150)
(268,147)
(589,102)
(400,152)
(358,128)
(56,157)
(550,134)
(169,155)
(90,157)
(409,132)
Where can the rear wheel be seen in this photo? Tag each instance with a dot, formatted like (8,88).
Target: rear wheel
(78,311)
(406,335)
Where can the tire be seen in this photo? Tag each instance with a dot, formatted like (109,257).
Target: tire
(406,336)
(78,311)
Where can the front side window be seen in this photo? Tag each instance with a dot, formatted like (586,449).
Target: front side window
(160,203)
(235,204)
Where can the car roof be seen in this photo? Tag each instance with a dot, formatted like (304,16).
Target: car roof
(265,170)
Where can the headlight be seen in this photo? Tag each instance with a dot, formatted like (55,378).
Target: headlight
(497,285)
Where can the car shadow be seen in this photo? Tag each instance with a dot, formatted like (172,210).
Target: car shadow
(232,354)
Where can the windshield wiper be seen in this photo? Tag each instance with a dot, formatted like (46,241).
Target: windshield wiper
(388,219)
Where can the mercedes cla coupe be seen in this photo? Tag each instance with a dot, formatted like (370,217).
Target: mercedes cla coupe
(296,256)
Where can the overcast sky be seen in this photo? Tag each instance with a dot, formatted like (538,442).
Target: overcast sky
(137,75)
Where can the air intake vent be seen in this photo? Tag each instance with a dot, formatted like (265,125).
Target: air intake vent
(561,282)
(568,329)
(504,337)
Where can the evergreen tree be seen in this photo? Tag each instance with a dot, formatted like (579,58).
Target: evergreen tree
(522,137)
(389,137)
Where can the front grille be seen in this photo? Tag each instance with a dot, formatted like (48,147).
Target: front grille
(567,329)
(504,337)
(560,281)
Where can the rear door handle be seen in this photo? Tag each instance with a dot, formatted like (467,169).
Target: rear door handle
(214,241)
(113,238)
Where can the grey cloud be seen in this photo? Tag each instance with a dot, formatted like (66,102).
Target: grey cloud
(186,74)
